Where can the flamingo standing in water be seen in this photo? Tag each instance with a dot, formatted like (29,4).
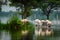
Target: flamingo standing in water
(46,26)
(49,31)
(24,32)
(37,27)
(43,31)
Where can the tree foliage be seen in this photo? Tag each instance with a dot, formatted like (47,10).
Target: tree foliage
(0,5)
(45,5)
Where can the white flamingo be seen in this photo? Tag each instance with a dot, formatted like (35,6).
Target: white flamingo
(37,27)
(24,32)
(24,20)
(49,31)
(49,22)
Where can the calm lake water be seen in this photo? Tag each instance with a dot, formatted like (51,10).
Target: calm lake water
(16,35)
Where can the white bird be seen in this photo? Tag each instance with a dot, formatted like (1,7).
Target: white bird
(37,21)
(49,22)
(24,20)
(42,20)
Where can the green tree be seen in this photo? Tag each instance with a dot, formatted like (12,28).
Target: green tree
(45,5)
(51,5)
(2,2)
(27,5)
(0,5)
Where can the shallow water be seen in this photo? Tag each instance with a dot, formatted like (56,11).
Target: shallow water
(16,35)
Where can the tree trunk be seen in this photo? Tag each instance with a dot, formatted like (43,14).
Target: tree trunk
(0,5)
(0,8)
(47,16)
(25,12)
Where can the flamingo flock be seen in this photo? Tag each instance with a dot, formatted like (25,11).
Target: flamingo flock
(42,27)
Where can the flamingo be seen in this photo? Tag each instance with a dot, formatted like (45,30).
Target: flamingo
(24,20)
(49,31)
(38,27)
